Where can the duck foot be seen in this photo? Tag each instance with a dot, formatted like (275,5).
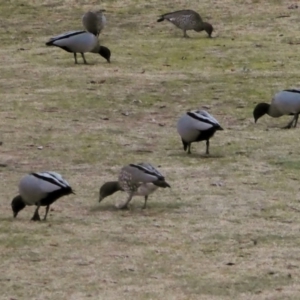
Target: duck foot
(36,217)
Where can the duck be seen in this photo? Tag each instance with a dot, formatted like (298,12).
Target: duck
(286,102)
(140,179)
(79,41)
(40,189)
(187,19)
(196,126)
(94,21)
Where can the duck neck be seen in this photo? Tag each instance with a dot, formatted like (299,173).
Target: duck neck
(207,27)
(262,109)
(272,111)
(96,49)
(108,189)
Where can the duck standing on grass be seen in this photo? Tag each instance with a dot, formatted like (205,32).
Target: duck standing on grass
(286,102)
(81,42)
(196,126)
(136,180)
(94,21)
(40,189)
(187,19)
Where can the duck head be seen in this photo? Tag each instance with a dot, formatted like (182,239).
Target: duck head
(260,110)
(17,205)
(206,27)
(105,52)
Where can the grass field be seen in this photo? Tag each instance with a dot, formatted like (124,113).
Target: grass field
(228,228)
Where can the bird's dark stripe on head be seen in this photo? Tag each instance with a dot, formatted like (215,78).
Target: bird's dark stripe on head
(51,179)
(146,170)
(201,118)
(293,91)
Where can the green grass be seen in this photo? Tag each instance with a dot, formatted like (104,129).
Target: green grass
(227,229)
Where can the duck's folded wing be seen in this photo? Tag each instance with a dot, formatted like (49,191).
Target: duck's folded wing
(50,181)
(180,13)
(209,116)
(65,35)
(202,121)
(144,172)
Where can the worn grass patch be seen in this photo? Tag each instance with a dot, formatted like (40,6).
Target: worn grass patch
(228,228)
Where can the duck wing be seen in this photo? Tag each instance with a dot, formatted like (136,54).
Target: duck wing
(180,14)
(202,120)
(63,36)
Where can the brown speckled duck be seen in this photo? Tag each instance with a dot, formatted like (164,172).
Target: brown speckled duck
(187,19)
(136,180)
(94,21)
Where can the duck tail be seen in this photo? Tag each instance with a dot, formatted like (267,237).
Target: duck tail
(160,19)
(49,43)
(161,183)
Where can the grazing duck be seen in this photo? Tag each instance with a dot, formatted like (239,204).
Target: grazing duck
(81,42)
(286,102)
(40,189)
(94,21)
(187,20)
(136,180)
(196,126)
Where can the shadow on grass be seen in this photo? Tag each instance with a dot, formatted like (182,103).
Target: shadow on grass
(287,164)
(8,218)
(197,155)
(245,284)
(135,207)
(103,207)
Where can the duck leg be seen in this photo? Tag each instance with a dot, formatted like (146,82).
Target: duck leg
(189,149)
(296,119)
(36,216)
(75,57)
(290,124)
(125,205)
(46,213)
(82,54)
(145,204)
(185,34)
(207,147)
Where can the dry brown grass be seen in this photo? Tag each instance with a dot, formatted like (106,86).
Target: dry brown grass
(228,228)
